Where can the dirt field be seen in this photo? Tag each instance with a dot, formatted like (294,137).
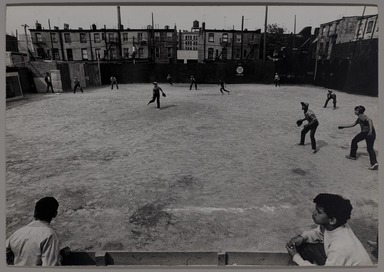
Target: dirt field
(206,172)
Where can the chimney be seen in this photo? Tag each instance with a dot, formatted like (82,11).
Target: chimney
(166,27)
(56,28)
(118,18)
(38,25)
(93,26)
(66,26)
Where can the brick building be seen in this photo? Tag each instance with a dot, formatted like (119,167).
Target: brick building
(156,45)
(223,45)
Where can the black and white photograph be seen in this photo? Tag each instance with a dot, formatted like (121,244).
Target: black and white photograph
(191,135)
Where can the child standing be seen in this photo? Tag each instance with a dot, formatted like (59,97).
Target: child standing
(277,80)
(367,133)
(312,125)
(77,85)
(193,82)
(330,95)
(333,242)
(114,82)
(48,80)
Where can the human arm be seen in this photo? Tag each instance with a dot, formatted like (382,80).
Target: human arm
(348,126)
(370,126)
(50,251)
(313,236)
(10,256)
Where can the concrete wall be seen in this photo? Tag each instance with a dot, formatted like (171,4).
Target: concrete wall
(209,259)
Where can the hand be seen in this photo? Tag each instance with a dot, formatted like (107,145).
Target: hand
(340,127)
(291,249)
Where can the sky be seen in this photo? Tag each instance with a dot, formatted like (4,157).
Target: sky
(215,17)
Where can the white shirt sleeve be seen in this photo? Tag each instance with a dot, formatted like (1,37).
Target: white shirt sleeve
(50,251)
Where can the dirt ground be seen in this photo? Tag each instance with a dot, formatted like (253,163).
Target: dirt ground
(207,172)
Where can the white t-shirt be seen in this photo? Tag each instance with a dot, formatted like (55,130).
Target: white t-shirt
(341,246)
(35,244)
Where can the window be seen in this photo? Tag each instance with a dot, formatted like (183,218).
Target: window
(157,36)
(83,39)
(237,54)
(113,53)
(245,53)
(56,54)
(195,37)
(97,53)
(210,53)
(40,52)
(125,37)
(157,52)
(252,38)
(84,53)
(211,37)
(225,37)
(67,37)
(69,54)
(169,52)
(39,38)
(53,37)
(169,35)
(370,26)
(238,38)
(126,53)
(139,36)
(224,54)
(141,52)
(111,37)
(96,37)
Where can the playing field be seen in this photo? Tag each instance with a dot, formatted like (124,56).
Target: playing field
(207,172)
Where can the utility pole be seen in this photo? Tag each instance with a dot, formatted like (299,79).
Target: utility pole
(241,47)
(153,41)
(294,34)
(26,37)
(119,31)
(50,36)
(265,34)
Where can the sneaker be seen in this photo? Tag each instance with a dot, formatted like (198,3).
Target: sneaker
(350,157)
(314,151)
(374,167)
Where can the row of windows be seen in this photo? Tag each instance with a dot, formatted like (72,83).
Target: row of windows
(97,37)
(112,53)
(112,37)
(191,37)
(190,43)
(224,54)
(224,38)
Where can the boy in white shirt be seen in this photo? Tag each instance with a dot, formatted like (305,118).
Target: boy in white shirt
(333,242)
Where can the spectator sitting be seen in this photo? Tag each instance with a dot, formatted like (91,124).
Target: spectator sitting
(37,243)
(333,242)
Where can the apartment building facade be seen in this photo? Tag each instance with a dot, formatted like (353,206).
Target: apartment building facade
(188,46)
(344,30)
(156,45)
(223,45)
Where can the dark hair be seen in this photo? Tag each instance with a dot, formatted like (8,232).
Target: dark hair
(335,206)
(360,108)
(46,208)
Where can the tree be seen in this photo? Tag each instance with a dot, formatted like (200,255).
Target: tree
(276,40)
